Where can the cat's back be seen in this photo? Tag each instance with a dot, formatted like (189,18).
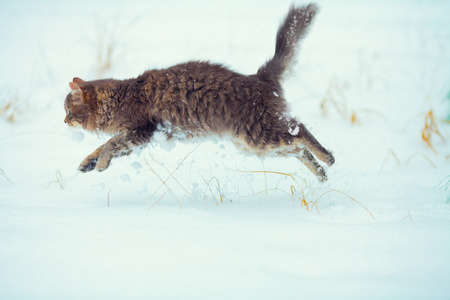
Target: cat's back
(210,97)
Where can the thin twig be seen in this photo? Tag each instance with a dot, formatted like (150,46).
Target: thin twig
(353,199)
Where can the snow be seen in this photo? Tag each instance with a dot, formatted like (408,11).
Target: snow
(195,220)
(294,131)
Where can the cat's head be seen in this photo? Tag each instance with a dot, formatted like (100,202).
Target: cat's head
(79,110)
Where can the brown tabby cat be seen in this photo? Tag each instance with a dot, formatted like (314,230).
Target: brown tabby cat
(198,99)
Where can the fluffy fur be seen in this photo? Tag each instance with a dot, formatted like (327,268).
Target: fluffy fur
(201,98)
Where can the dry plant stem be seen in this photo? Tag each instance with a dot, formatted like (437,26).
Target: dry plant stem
(167,170)
(445,186)
(164,182)
(109,192)
(399,164)
(172,173)
(4,175)
(335,97)
(293,189)
(208,186)
(270,172)
(408,217)
(218,188)
(157,201)
(430,128)
(58,180)
(390,153)
(272,189)
(11,109)
(424,156)
(353,199)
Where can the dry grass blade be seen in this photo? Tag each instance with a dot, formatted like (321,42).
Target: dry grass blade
(59,180)
(171,173)
(335,98)
(424,156)
(430,128)
(109,192)
(445,185)
(164,182)
(273,189)
(354,119)
(208,186)
(390,153)
(11,109)
(270,172)
(342,193)
(105,53)
(4,175)
(167,170)
(157,201)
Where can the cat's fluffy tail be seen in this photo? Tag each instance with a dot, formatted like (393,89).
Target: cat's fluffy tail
(293,29)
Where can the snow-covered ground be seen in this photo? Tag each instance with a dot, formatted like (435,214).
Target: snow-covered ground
(198,220)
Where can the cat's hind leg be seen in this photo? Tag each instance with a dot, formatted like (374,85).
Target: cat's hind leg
(303,138)
(310,162)
(306,157)
(300,143)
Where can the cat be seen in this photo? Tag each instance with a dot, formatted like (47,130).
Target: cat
(199,98)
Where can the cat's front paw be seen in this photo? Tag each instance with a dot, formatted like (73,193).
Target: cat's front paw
(88,164)
(102,164)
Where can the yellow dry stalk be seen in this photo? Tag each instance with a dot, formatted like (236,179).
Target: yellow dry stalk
(342,193)
(10,110)
(104,58)
(171,175)
(335,97)
(208,184)
(270,172)
(292,188)
(303,202)
(59,180)
(354,119)
(430,128)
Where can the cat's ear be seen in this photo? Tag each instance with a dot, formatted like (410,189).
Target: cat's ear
(77,94)
(74,86)
(78,81)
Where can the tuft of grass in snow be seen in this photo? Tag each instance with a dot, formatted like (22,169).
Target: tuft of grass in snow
(294,194)
(58,180)
(335,99)
(170,176)
(430,128)
(218,189)
(11,109)
(110,42)
(106,50)
(342,193)
(391,153)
